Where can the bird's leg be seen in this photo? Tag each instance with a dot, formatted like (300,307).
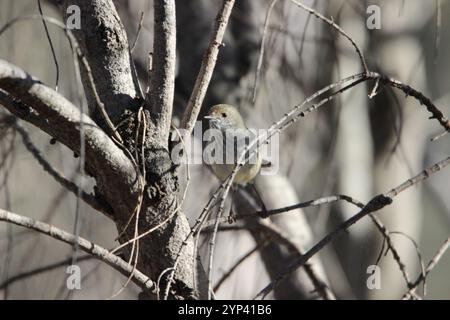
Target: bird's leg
(260,200)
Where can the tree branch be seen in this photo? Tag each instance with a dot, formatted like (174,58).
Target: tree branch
(307,283)
(433,262)
(95,250)
(103,42)
(34,102)
(163,67)
(377,203)
(206,69)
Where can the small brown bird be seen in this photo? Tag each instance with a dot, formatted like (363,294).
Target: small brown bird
(232,138)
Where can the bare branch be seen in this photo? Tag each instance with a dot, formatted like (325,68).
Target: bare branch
(377,203)
(95,250)
(163,71)
(138,32)
(419,96)
(206,69)
(55,115)
(319,285)
(433,262)
(309,283)
(262,49)
(51,45)
(338,28)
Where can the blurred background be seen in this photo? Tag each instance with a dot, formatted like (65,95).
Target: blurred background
(353,145)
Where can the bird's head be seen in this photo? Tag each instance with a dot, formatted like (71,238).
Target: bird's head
(225,116)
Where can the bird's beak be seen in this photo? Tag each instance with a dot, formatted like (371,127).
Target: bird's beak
(208,117)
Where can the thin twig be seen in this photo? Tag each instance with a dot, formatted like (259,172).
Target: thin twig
(261,50)
(212,243)
(51,45)
(338,28)
(295,248)
(138,32)
(419,96)
(433,262)
(88,198)
(311,203)
(319,285)
(241,260)
(305,28)
(416,247)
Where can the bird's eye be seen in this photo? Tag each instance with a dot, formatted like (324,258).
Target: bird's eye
(224,115)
